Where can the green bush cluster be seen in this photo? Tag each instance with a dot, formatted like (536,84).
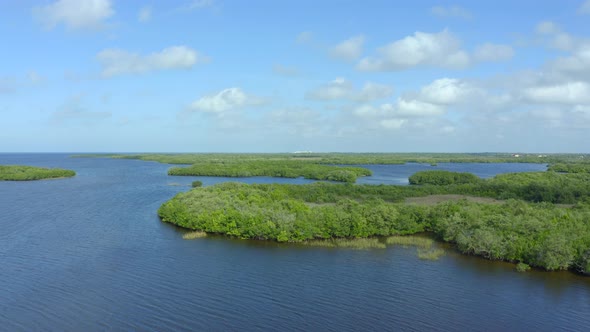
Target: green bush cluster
(28,173)
(276,168)
(196,184)
(442,178)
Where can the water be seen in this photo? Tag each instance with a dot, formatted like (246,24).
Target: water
(398,174)
(89,253)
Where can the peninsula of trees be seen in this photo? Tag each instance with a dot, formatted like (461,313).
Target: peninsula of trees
(28,173)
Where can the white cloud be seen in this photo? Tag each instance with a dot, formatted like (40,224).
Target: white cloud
(350,49)
(493,52)
(440,49)
(403,108)
(118,62)
(225,100)
(373,91)
(584,8)
(75,14)
(393,123)
(417,108)
(576,65)
(339,88)
(451,12)
(446,91)
(568,93)
(342,89)
(554,37)
(145,14)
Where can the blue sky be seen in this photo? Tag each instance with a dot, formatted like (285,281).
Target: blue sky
(280,76)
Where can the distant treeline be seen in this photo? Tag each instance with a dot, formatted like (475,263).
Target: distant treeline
(539,234)
(28,173)
(355,158)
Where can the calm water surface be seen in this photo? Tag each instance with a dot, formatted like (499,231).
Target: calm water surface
(89,253)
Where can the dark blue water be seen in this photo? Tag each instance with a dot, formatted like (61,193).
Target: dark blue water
(89,253)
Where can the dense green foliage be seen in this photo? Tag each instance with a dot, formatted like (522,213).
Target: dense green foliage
(540,235)
(442,178)
(277,168)
(570,167)
(354,158)
(197,184)
(27,173)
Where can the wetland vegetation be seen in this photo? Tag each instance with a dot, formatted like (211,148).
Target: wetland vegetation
(355,158)
(29,173)
(525,227)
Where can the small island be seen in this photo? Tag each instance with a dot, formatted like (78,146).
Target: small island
(534,219)
(30,173)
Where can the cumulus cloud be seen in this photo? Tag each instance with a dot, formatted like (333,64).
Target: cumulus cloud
(575,66)
(75,14)
(392,123)
(145,14)
(225,100)
(447,91)
(350,49)
(117,62)
(342,89)
(451,12)
(373,91)
(553,37)
(339,88)
(567,93)
(402,108)
(493,52)
(417,108)
(440,49)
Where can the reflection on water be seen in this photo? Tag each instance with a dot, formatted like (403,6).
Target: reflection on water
(89,253)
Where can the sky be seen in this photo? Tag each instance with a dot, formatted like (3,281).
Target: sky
(284,76)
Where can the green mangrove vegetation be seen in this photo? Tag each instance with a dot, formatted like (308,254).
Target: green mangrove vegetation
(526,228)
(29,173)
(354,158)
(570,167)
(276,168)
(442,178)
